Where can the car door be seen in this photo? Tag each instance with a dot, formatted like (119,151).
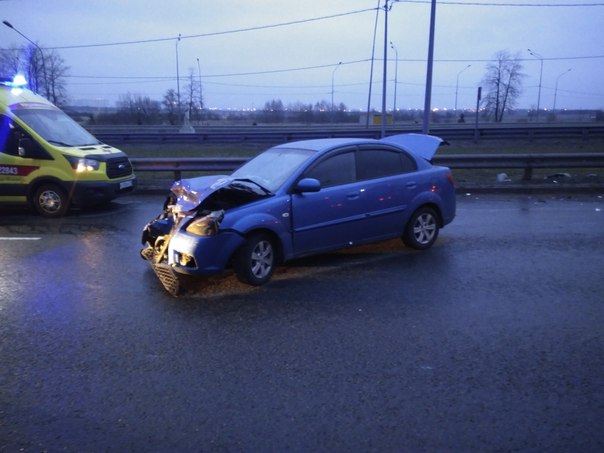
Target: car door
(327,219)
(388,180)
(14,169)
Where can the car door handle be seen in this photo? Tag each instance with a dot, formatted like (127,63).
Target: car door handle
(411,185)
(353,195)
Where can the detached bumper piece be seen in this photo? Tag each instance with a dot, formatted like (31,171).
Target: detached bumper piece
(164,272)
(167,277)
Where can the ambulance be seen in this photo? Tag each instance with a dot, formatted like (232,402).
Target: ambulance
(49,161)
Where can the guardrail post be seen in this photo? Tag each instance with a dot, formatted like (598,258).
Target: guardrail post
(528,171)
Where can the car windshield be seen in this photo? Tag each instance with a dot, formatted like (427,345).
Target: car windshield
(273,167)
(56,127)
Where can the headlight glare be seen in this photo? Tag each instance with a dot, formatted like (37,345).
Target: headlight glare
(82,164)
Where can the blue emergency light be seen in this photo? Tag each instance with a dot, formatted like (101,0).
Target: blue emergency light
(17,84)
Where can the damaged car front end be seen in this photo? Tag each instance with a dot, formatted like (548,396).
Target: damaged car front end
(191,222)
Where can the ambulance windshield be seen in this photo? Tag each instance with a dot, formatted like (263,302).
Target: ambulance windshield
(55,127)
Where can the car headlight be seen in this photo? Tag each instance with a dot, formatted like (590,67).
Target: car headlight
(82,164)
(207,225)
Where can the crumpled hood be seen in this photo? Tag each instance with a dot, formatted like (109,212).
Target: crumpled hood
(191,192)
(419,144)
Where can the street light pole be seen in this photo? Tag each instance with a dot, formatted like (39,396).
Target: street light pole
(457,85)
(9,25)
(556,89)
(540,58)
(333,73)
(385,71)
(395,74)
(200,86)
(428,97)
(177,78)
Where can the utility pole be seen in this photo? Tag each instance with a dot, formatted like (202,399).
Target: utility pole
(428,97)
(385,74)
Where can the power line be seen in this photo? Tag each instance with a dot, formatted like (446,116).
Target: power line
(508,5)
(218,33)
(306,68)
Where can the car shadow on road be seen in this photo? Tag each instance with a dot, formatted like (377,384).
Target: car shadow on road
(304,270)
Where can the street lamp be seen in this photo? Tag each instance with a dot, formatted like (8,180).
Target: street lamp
(540,58)
(200,86)
(395,74)
(457,85)
(332,81)
(385,71)
(9,25)
(177,77)
(556,89)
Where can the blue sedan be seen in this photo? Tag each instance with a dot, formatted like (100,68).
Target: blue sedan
(297,199)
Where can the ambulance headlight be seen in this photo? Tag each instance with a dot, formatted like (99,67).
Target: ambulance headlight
(82,164)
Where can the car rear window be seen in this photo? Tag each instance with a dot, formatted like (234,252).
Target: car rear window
(378,163)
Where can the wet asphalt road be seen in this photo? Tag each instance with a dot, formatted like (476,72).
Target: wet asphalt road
(493,340)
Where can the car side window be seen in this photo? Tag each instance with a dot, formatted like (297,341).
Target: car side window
(335,170)
(378,163)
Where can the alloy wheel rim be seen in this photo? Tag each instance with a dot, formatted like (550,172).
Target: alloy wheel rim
(424,229)
(50,201)
(262,259)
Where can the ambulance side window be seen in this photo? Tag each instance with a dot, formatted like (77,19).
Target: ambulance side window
(9,140)
(12,137)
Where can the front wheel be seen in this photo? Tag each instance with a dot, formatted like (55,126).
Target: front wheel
(422,229)
(50,200)
(254,262)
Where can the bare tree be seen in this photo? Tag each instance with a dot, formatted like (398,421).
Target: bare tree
(503,84)
(170,102)
(45,70)
(273,111)
(9,62)
(193,96)
(56,72)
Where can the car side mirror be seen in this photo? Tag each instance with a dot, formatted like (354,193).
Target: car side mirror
(308,185)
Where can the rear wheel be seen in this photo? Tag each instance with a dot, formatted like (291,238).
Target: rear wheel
(255,261)
(50,200)
(422,230)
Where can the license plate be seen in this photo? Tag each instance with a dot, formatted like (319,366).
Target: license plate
(125,184)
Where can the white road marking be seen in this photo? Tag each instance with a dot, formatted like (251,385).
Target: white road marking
(19,239)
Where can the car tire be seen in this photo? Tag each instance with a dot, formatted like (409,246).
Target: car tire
(255,261)
(422,229)
(50,200)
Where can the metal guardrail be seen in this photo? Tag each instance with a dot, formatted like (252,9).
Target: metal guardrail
(276,134)
(527,162)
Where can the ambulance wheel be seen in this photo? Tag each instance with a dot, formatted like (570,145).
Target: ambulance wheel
(50,200)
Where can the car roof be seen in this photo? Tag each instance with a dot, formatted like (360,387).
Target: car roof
(418,144)
(323,144)
(23,96)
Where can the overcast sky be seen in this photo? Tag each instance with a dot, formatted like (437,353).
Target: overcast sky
(250,52)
